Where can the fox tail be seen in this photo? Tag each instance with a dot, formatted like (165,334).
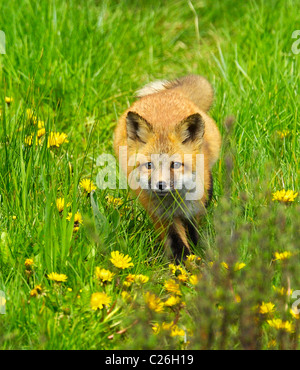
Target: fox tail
(194,87)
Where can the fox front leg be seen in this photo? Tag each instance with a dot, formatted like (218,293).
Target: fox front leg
(177,241)
(193,233)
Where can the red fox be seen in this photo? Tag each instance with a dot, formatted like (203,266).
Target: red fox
(166,131)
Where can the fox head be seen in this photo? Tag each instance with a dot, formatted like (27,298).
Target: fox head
(164,159)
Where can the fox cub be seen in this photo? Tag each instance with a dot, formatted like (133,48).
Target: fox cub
(167,144)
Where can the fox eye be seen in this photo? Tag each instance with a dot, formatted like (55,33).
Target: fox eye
(148,165)
(176,165)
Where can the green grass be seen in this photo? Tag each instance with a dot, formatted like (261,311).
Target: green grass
(76,64)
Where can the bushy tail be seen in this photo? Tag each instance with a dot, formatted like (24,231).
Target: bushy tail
(194,87)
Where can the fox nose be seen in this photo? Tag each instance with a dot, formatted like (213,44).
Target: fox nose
(161,185)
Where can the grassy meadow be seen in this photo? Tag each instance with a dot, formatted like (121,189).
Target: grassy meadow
(70,70)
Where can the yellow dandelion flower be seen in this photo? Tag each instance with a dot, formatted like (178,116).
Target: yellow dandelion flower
(8,100)
(282,255)
(156,328)
(237,298)
(77,217)
(194,279)
(285,196)
(172,268)
(77,220)
(295,313)
(60,204)
(172,301)
(14,217)
(141,279)
(40,124)
(87,185)
(114,201)
(127,284)
(281,325)
(176,331)
(126,296)
(238,266)
(225,265)
(109,199)
(130,278)
(275,323)
(118,202)
(272,343)
(282,291)
(172,287)
(266,308)
(176,270)
(103,274)
(99,300)
(167,325)
(193,258)
(288,326)
(39,288)
(33,293)
(283,133)
(28,262)
(31,116)
(179,272)
(36,291)
(56,139)
(59,278)
(154,303)
(29,140)
(120,261)
(183,277)
(41,132)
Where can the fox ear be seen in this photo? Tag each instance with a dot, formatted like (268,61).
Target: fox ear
(191,129)
(137,127)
